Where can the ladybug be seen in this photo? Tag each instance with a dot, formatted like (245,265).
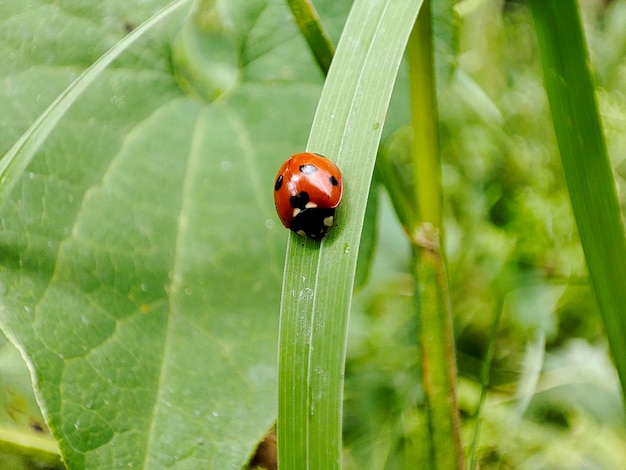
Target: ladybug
(307,190)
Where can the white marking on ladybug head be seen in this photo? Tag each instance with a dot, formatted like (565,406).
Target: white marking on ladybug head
(301,233)
(310,205)
(296,211)
(328,221)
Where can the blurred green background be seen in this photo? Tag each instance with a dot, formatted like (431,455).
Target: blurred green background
(516,268)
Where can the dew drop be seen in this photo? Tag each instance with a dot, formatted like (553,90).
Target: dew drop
(305,294)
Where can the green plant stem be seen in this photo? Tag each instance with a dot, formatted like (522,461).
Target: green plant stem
(485,379)
(437,347)
(36,450)
(585,160)
(433,300)
(427,167)
(310,26)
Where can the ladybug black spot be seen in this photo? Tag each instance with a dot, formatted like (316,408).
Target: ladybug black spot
(333,180)
(308,169)
(279,183)
(314,223)
(300,200)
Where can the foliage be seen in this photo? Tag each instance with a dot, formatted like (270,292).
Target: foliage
(141,257)
(141,260)
(514,258)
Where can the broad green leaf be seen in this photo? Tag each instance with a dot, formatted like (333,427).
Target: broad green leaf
(140,254)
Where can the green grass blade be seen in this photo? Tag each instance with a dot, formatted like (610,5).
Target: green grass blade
(19,156)
(432,291)
(586,163)
(317,288)
(311,28)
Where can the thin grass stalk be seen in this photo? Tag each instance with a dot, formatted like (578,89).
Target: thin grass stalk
(311,28)
(432,295)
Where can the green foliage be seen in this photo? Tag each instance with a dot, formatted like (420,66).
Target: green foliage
(514,254)
(141,259)
(25,441)
(319,277)
(586,164)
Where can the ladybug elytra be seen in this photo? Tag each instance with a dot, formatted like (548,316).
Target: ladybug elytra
(307,190)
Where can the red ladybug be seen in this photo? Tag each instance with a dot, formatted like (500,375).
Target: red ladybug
(307,191)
